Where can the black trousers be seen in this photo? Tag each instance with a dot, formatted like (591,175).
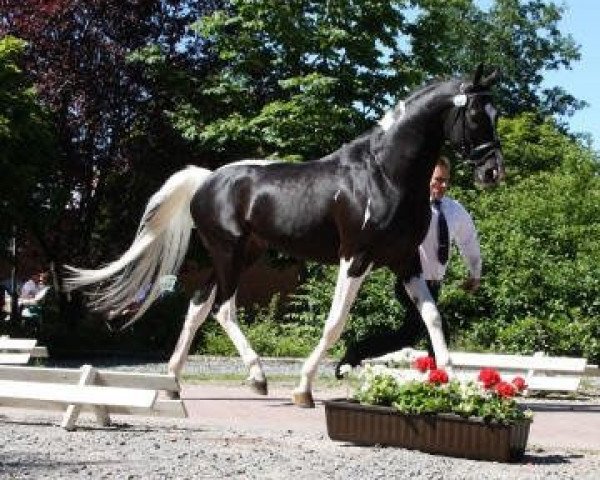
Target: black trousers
(412,330)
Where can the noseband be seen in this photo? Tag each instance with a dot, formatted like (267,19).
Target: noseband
(478,155)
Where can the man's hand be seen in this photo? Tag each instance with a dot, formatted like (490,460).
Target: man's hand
(471,285)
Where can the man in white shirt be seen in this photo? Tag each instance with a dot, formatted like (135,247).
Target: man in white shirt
(434,252)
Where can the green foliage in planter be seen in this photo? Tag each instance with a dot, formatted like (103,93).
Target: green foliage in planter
(418,398)
(413,393)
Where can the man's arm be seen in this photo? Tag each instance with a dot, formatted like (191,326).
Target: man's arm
(467,241)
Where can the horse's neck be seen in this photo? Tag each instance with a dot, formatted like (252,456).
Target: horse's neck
(409,150)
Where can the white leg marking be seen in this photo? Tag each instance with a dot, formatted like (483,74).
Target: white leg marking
(196,315)
(418,291)
(346,289)
(226,316)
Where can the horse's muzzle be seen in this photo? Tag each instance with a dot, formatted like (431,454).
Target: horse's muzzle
(490,170)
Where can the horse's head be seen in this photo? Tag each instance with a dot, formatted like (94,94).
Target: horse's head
(471,128)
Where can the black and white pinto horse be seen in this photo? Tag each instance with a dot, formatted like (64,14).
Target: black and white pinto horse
(364,206)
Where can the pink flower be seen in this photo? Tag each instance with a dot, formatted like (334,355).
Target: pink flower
(519,384)
(489,377)
(505,389)
(438,376)
(422,364)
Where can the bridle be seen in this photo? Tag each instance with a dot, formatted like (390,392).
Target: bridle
(474,155)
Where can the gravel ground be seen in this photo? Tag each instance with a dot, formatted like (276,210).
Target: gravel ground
(32,446)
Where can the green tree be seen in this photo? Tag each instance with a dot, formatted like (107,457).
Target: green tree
(295,78)
(115,142)
(539,242)
(29,186)
(520,37)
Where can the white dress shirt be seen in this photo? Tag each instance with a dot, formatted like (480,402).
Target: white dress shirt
(462,233)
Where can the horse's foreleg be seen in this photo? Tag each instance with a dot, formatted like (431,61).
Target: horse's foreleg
(197,312)
(420,294)
(346,289)
(226,316)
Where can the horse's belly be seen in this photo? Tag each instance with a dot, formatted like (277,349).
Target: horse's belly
(320,245)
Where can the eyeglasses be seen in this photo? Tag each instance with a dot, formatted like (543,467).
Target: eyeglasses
(441,180)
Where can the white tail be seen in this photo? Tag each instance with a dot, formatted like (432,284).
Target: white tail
(158,249)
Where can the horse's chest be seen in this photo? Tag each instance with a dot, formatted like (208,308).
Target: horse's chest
(401,236)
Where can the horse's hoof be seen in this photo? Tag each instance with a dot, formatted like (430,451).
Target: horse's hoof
(303,399)
(258,386)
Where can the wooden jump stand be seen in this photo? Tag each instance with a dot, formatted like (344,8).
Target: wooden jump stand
(102,392)
(19,351)
(73,391)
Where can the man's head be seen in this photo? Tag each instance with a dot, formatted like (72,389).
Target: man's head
(440,179)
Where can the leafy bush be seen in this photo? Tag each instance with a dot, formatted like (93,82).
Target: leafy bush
(375,308)
(266,331)
(267,339)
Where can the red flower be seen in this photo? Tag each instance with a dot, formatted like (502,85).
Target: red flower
(519,384)
(422,364)
(438,376)
(489,377)
(505,389)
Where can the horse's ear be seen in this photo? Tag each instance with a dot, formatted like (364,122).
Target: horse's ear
(491,79)
(478,73)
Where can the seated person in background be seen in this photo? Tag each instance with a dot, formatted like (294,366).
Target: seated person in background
(30,288)
(33,291)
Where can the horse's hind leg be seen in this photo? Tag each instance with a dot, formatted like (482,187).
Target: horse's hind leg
(228,264)
(226,316)
(346,289)
(198,310)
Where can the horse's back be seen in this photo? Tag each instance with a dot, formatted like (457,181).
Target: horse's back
(284,205)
